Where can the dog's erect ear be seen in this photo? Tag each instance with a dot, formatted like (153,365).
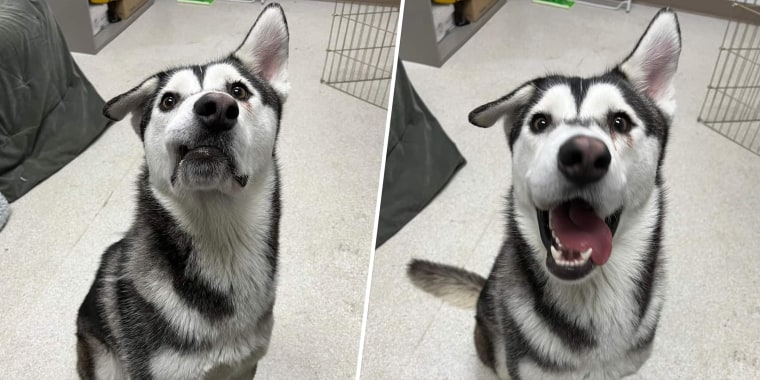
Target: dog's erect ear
(651,67)
(131,101)
(506,106)
(265,50)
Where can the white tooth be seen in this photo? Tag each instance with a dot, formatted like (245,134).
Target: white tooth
(586,255)
(557,255)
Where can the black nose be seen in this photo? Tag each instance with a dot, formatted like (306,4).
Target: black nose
(583,160)
(217,112)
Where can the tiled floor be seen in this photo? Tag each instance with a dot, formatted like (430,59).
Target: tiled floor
(330,151)
(710,327)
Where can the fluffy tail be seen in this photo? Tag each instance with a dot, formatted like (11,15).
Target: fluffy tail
(454,285)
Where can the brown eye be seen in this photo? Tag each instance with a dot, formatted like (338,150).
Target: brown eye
(239,92)
(168,101)
(539,122)
(620,122)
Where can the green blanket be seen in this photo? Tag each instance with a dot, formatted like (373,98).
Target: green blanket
(419,162)
(49,112)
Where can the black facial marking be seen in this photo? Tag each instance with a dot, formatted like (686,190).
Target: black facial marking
(655,122)
(146,113)
(268,95)
(578,87)
(200,72)
(522,113)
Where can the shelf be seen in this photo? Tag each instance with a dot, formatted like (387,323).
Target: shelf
(112,30)
(458,36)
(418,40)
(73,17)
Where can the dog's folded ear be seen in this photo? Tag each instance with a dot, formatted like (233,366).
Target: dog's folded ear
(506,106)
(265,50)
(651,67)
(131,101)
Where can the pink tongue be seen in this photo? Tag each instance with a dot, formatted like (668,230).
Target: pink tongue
(578,228)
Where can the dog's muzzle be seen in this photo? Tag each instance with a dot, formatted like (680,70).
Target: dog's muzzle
(576,238)
(208,161)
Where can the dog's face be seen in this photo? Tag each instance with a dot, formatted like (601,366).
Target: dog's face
(213,127)
(584,150)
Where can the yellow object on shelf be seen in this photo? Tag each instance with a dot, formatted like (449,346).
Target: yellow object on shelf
(445,1)
(99,1)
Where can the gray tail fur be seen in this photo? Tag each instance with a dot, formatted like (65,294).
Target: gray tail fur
(454,285)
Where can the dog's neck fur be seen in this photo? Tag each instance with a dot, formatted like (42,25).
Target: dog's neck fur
(222,231)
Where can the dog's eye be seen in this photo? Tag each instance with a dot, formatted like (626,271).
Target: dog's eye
(238,91)
(539,122)
(168,101)
(620,122)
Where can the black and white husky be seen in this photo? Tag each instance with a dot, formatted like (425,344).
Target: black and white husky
(188,292)
(577,288)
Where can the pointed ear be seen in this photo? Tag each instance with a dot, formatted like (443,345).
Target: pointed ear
(131,101)
(265,50)
(651,67)
(488,114)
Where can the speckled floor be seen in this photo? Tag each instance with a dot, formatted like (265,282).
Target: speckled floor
(710,326)
(330,151)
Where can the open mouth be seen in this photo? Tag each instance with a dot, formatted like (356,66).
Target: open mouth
(205,161)
(576,238)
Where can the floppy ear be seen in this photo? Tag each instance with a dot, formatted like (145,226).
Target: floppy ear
(265,50)
(131,101)
(487,114)
(651,67)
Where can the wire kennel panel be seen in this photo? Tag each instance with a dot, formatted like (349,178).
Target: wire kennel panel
(359,59)
(732,104)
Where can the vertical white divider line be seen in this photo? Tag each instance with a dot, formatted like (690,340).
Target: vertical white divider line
(363,336)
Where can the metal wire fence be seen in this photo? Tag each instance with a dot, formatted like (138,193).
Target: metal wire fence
(732,104)
(359,59)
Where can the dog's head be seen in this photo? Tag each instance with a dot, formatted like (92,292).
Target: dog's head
(213,127)
(586,149)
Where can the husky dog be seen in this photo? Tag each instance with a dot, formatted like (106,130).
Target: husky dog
(188,292)
(577,288)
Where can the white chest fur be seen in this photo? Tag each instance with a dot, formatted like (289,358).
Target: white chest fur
(229,255)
